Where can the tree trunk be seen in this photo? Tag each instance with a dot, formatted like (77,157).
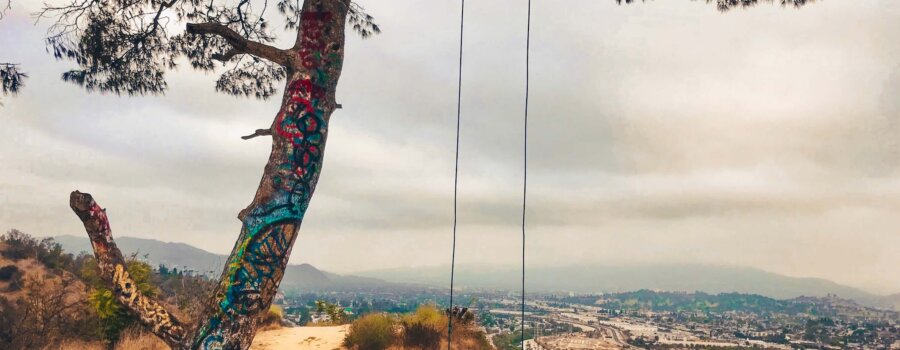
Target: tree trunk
(270,223)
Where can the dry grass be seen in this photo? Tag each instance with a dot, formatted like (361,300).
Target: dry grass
(137,339)
(33,270)
(298,338)
(77,345)
(132,339)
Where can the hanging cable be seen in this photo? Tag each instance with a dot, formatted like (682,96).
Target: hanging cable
(525,163)
(462,13)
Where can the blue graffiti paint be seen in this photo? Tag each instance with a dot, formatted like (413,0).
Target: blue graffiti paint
(260,257)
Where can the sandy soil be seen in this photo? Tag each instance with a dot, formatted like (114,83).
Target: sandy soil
(300,338)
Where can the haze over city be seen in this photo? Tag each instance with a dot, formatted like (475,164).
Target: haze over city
(663,132)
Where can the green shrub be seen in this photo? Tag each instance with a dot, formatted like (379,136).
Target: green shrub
(114,317)
(424,328)
(371,332)
(9,273)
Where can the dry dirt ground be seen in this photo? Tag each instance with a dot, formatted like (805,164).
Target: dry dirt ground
(300,338)
(295,338)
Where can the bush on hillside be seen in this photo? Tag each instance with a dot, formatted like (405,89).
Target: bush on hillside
(44,314)
(8,273)
(424,328)
(58,309)
(372,332)
(13,277)
(272,318)
(115,318)
(20,245)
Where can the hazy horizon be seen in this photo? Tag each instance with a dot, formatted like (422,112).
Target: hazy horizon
(463,270)
(661,132)
(692,277)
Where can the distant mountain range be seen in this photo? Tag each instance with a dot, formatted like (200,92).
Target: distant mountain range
(178,255)
(599,278)
(303,277)
(623,278)
(577,278)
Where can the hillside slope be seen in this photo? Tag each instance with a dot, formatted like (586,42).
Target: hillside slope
(29,270)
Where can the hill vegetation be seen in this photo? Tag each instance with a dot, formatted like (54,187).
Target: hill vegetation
(704,303)
(52,298)
(646,300)
(426,328)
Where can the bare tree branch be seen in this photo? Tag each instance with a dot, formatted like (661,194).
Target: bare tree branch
(240,44)
(111,263)
(4,8)
(258,132)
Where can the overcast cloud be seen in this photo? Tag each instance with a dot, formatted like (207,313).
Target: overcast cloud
(659,132)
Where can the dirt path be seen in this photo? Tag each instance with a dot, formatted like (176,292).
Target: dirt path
(300,338)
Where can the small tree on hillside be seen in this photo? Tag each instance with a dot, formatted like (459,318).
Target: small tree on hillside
(44,314)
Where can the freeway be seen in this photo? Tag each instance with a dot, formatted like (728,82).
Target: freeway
(616,335)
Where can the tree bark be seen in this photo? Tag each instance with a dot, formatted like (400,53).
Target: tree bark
(112,270)
(271,222)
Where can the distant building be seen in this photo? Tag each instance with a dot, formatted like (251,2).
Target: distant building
(320,318)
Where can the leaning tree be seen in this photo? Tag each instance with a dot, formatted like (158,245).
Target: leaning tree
(126,46)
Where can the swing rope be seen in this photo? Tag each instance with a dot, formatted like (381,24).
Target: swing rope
(462,13)
(451,313)
(525,164)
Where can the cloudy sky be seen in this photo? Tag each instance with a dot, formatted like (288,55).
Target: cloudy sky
(660,132)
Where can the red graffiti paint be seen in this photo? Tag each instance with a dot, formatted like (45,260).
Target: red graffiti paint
(311,41)
(102,219)
(304,93)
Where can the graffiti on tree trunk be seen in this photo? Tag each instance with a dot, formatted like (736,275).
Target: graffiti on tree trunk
(257,265)
(113,269)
